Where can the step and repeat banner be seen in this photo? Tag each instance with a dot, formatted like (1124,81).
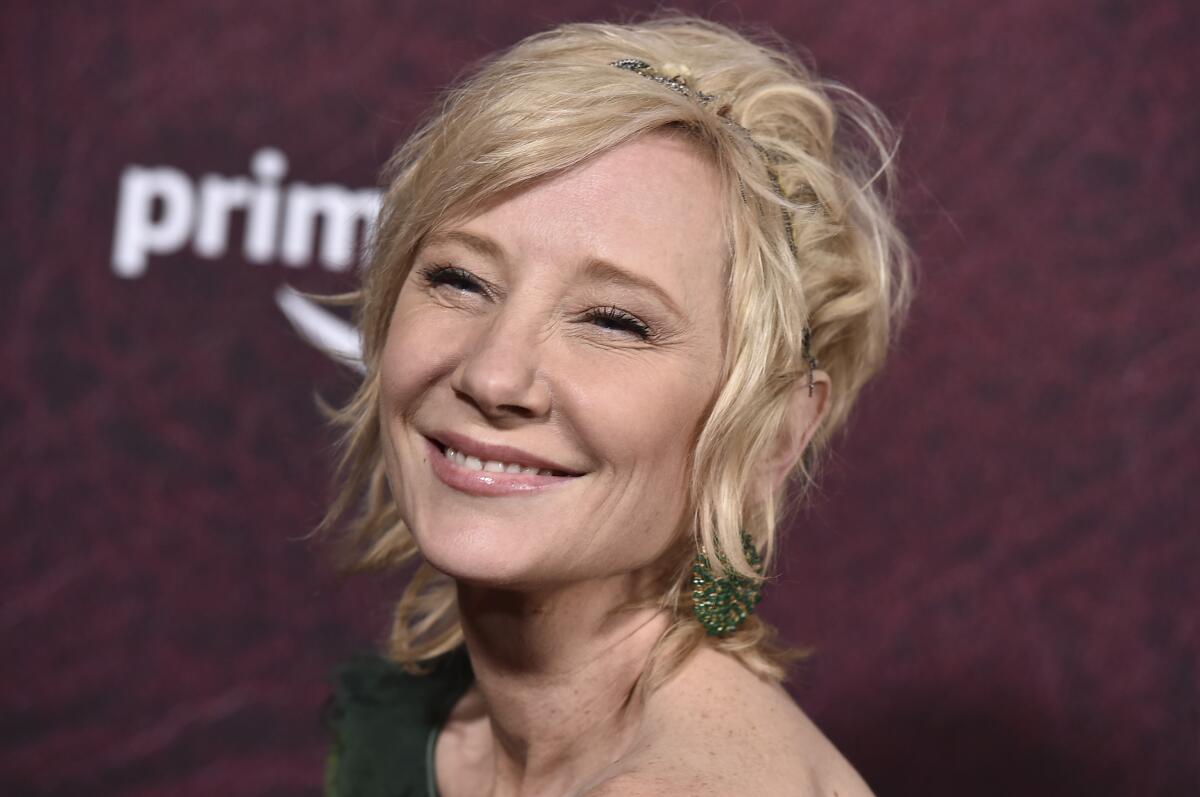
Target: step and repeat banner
(998,575)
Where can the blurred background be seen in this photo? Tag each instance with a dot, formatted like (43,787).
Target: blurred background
(1000,575)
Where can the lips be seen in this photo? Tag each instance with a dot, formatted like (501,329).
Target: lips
(505,455)
(490,483)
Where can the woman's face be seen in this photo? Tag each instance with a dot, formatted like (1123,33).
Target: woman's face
(574,327)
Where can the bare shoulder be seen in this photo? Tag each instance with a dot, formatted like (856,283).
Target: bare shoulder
(717,730)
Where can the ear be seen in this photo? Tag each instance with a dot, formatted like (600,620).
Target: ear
(802,419)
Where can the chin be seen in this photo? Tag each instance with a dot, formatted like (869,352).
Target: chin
(479,556)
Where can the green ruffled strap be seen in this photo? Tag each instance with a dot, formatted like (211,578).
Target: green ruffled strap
(380,719)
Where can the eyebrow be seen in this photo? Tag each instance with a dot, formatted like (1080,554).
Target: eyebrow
(596,268)
(479,243)
(605,271)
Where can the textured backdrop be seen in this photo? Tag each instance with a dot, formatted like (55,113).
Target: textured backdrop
(999,576)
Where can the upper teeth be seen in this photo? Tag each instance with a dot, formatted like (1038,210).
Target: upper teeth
(490,465)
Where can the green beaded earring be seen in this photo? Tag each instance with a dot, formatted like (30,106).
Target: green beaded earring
(723,604)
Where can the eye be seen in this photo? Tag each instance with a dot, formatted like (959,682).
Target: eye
(616,319)
(457,278)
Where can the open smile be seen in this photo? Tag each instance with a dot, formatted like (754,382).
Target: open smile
(472,474)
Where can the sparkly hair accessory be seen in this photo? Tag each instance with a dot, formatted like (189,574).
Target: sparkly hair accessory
(675,77)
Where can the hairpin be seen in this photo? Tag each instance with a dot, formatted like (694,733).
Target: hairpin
(675,77)
(806,353)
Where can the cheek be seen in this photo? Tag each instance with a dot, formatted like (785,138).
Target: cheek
(644,419)
(641,420)
(416,355)
(414,359)
(413,356)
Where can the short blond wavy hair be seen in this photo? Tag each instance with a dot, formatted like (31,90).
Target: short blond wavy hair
(548,104)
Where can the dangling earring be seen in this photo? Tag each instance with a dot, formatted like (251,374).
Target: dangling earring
(723,604)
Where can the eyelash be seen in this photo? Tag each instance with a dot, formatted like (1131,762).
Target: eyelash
(436,275)
(624,320)
(440,274)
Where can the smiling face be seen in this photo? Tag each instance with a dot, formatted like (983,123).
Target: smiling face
(572,333)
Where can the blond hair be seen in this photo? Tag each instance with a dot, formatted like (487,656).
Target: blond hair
(799,157)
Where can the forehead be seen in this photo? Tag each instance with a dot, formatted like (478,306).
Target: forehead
(652,205)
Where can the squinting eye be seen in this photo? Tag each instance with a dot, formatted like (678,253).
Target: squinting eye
(616,319)
(453,276)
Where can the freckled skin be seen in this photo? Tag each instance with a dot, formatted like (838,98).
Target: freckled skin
(510,352)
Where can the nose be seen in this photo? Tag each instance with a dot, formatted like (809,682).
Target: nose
(501,373)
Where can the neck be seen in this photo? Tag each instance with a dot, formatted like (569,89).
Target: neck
(557,669)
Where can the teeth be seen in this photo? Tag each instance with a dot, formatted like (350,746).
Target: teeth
(491,466)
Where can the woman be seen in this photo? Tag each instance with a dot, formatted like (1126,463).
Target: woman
(627,281)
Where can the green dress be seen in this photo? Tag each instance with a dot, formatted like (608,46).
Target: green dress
(383,724)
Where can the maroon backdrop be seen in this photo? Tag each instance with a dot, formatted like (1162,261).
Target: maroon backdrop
(1000,573)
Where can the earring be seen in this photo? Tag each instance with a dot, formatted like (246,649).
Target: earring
(723,604)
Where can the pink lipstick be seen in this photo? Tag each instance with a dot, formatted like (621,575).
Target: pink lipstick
(473,481)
